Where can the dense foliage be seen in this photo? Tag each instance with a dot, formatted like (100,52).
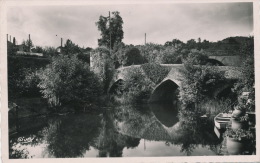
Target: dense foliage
(133,57)
(155,72)
(137,87)
(155,53)
(22,76)
(102,65)
(70,48)
(198,83)
(28,44)
(11,49)
(111,29)
(194,57)
(68,81)
(247,81)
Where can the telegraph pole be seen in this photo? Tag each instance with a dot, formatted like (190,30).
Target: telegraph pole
(110,34)
(144,38)
(29,43)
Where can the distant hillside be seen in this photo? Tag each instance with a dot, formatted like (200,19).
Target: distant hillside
(228,46)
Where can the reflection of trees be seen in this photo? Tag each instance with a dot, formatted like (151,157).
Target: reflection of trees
(110,142)
(140,122)
(194,131)
(190,132)
(28,134)
(72,135)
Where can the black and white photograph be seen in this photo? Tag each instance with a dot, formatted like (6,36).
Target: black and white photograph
(130,80)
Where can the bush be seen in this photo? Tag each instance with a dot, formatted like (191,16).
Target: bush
(171,55)
(102,65)
(155,72)
(137,88)
(198,83)
(215,106)
(133,57)
(152,53)
(247,83)
(194,57)
(67,80)
(22,76)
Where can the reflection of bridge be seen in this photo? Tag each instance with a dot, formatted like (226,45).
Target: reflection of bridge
(146,125)
(165,89)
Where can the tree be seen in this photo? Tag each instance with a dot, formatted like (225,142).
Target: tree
(11,49)
(37,49)
(175,42)
(49,51)
(118,54)
(171,55)
(195,57)
(198,84)
(69,81)
(133,57)
(85,55)
(137,87)
(70,48)
(110,26)
(247,81)
(191,44)
(152,53)
(28,44)
(102,65)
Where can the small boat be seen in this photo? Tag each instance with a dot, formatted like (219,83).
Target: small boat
(218,132)
(221,120)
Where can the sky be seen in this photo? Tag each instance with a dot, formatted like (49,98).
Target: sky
(160,22)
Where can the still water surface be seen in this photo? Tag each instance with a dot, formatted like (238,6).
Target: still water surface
(125,131)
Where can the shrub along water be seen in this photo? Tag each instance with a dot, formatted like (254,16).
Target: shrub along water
(68,81)
(198,84)
(137,87)
(22,76)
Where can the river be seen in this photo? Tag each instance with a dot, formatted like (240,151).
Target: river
(122,131)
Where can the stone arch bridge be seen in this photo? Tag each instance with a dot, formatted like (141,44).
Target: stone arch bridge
(165,90)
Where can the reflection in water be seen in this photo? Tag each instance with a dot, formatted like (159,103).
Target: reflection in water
(165,113)
(120,131)
(110,142)
(195,131)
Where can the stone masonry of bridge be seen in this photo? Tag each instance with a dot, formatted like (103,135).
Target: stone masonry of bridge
(176,73)
(229,62)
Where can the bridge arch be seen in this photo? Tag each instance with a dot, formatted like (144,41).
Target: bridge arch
(166,92)
(116,88)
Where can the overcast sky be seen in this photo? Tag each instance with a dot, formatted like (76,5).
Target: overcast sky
(160,22)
